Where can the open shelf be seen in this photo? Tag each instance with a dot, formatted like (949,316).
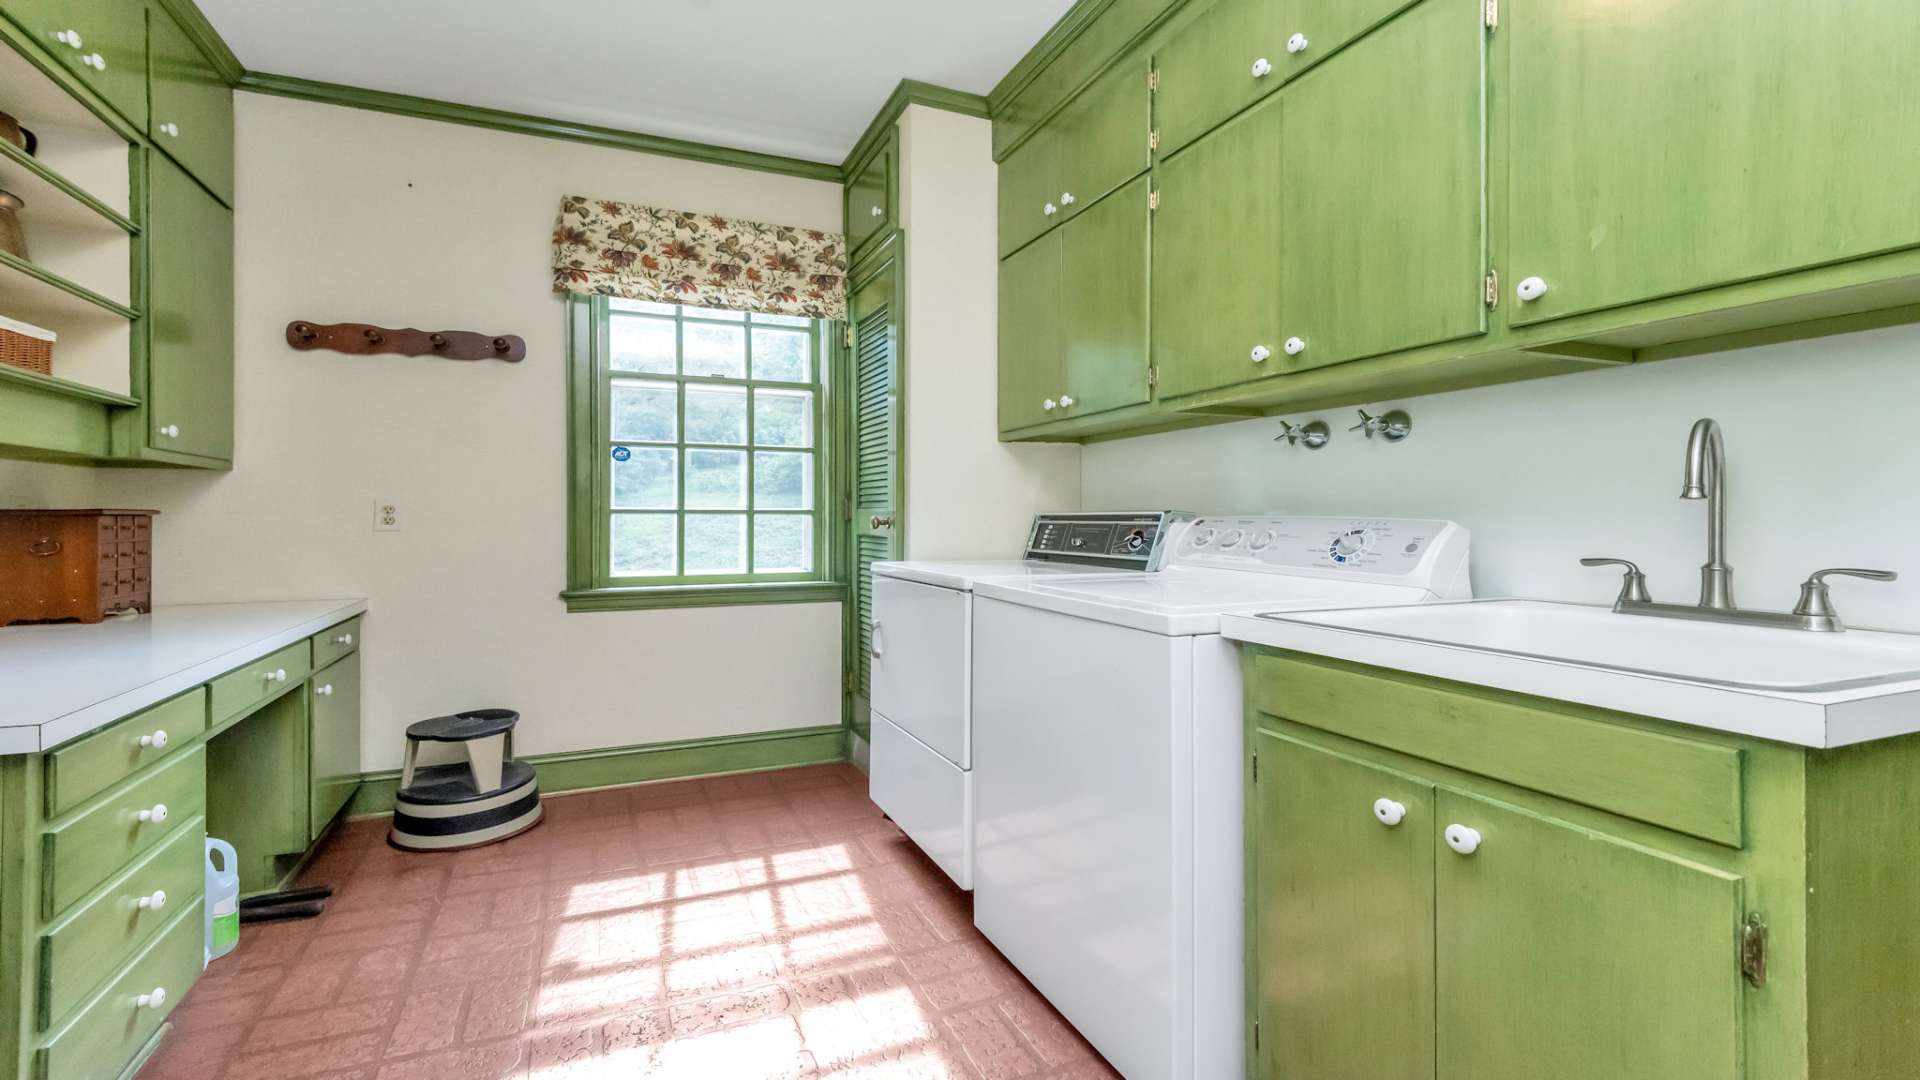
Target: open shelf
(51,197)
(11,376)
(95,333)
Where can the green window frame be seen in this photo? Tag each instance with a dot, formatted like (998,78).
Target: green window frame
(694,466)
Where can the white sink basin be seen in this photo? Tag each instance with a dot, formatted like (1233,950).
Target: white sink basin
(1816,689)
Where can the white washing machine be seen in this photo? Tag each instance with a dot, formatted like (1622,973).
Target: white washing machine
(922,664)
(1107,765)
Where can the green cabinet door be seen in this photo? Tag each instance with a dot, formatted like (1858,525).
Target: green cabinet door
(334,748)
(1029,190)
(1103,289)
(874,312)
(1383,190)
(189,392)
(1565,953)
(1341,925)
(103,42)
(870,199)
(1316,29)
(1662,148)
(1103,136)
(1217,248)
(1223,59)
(192,114)
(1032,376)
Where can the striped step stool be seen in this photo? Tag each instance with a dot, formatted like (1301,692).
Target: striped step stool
(485,798)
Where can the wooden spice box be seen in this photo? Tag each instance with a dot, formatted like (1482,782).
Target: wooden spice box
(83,565)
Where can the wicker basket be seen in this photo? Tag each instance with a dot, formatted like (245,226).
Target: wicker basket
(24,345)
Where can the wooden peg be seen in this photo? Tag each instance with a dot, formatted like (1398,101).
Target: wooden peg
(361,339)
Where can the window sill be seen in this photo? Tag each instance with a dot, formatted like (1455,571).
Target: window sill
(688,596)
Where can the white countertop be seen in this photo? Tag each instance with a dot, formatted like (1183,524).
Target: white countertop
(62,680)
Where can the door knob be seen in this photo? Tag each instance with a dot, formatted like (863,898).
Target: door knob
(1294,346)
(1049,404)
(1389,812)
(1051,210)
(1297,43)
(69,38)
(1065,400)
(1066,198)
(95,61)
(1531,289)
(1262,68)
(324,691)
(1260,354)
(878,522)
(1462,839)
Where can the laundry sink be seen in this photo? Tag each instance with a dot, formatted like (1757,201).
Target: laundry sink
(1817,689)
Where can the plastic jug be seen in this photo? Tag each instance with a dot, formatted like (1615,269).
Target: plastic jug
(223,900)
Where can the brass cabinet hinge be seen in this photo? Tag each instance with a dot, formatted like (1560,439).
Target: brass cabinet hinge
(1256,766)
(846,682)
(1153,376)
(1493,289)
(1753,950)
(1153,79)
(846,508)
(1153,139)
(1493,14)
(1153,200)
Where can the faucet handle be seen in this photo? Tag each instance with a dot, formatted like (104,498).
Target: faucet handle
(1815,602)
(1633,587)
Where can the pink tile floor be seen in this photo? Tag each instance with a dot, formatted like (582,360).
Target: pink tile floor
(728,928)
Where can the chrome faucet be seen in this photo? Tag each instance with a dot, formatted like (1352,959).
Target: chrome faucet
(1706,478)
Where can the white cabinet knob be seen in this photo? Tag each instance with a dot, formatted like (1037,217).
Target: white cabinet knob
(152,1000)
(1051,210)
(1462,839)
(157,815)
(157,740)
(1260,354)
(171,431)
(279,675)
(170,129)
(877,212)
(1066,198)
(1294,346)
(1389,812)
(343,639)
(324,691)
(153,903)
(95,61)
(69,38)
(1531,289)
(1066,400)
(1049,404)
(1297,43)
(1262,68)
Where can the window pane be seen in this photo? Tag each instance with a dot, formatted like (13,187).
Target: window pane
(644,306)
(717,479)
(713,313)
(782,417)
(716,543)
(716,350)
(783,543)
(782,320)
(781,355)
(641,345)
(645,480)
(782,481)
(643,412)
(716,414)
(642,544)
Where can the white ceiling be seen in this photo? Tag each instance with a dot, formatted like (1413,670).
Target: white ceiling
(794,77)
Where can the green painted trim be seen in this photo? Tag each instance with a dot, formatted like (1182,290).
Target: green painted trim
(20,159)
(1780,335)
(649,597)
(525,124)
(214,47)
(71,288)
(1063,33)
(908,92)
(53,384)
(615,766)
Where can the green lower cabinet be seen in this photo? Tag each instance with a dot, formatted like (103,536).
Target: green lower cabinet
(1031,334)
(1382,189)
(189,400)
(266,752)
(1647,142)
(334,765)
(1103,268)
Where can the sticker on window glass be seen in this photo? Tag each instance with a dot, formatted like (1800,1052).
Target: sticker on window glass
(621,453)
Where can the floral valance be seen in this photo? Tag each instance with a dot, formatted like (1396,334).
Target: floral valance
(702,260)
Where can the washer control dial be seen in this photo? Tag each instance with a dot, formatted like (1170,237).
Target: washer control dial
(1261,540)
(1230,538)
(1350,545)
(1204,537)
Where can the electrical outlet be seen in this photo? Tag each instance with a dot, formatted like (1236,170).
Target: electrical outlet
(386,516)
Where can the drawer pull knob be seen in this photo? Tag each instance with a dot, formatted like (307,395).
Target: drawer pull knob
(157,815)
(1262,68)
(343,639)
(170,129)
(152,999)
(1294,346)
(1297,44)
(1050,210)
(1463,840)
(1066,400)
(277,675)
(1531,289)
(324,691)
(171,431)
(1260,354)
(1389,812)
(69,38)
(95,61)
(157,740)
(155,902)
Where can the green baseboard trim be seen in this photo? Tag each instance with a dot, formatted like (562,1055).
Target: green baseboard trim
(524,124)
(908,92)
(582,769)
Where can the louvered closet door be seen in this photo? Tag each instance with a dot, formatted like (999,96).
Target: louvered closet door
(874,311)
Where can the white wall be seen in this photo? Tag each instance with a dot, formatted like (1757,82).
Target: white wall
(355,216)
(969,495)
(32,484)
(1823,468)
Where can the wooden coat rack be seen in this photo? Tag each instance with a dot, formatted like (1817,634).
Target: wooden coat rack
(361,339)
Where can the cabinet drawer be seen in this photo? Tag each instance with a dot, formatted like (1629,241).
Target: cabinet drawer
(80,770)
(238,691)
(76,955)
(335,642)
(113,1029)
(1575,753)
(85,851)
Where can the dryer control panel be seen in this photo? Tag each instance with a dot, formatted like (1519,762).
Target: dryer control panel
(1124,541)
(1404,551)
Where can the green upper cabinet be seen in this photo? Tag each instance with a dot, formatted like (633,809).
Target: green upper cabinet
(1095,144)
(104,42)
(192,107)
(1218,235)
(1031,335)
(1658,149)
(1029,205)
(1341,917)
(189,393)
(1566,953)
(1383,190)
(1103,269)
(871,198)
(1214,65)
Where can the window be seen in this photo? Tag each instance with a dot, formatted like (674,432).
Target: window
(706,433)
